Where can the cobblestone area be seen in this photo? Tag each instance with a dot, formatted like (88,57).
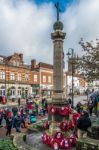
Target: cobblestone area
(3,132)
(23,130)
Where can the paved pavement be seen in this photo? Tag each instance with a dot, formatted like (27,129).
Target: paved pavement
(13,131)
(3,132)
(10,103)
(82,99)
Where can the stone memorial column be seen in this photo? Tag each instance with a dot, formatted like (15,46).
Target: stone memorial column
(58,36)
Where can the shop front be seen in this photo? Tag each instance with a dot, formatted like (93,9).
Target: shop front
(35,89)
(46,91)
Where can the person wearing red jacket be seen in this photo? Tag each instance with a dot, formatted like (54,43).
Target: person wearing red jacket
(9,114)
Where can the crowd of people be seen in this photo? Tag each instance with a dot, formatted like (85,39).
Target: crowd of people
(92,105)
(21,116)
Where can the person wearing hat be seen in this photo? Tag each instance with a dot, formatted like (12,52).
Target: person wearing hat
(83,124)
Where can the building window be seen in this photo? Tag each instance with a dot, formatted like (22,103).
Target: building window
(49,79)
(44,78)
(14,63)
(17,63)
(12,92)
(19,77)
(19,92)
(2,92)
(2,75)
(35,78)
(12,76)
(27,77)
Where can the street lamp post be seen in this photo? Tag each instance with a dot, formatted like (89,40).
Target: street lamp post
(72,70)
(5,83)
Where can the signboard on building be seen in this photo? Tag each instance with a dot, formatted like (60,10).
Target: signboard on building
(36,86)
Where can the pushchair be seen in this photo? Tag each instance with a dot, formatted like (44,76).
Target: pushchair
(33,118)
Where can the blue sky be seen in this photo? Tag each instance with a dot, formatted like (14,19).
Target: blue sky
(63,3)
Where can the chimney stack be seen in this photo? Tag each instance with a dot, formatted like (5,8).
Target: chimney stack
(33,63)
(21,56)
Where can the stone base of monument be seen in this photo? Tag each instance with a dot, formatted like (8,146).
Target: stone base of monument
(59,129)
(87,144)
(59,104)
(94,134)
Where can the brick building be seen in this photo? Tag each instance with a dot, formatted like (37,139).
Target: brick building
(15,77)
(19,80)
(42,78)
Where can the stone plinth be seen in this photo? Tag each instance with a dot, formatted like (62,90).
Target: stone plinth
(94,132)
(87,144)
(58,104)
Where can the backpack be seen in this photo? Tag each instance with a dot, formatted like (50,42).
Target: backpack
(33,119)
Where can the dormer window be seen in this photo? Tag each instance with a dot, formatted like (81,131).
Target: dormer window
(15,63)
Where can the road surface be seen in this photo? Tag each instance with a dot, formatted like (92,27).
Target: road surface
(82,99)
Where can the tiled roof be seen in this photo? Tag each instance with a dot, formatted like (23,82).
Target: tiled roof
(44,65)
(3,56)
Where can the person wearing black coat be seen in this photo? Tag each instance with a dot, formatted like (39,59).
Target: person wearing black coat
(83,124)
(14,110)
(9,123)
(17,122)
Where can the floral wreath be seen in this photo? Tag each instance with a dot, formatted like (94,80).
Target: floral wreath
(64,111)
(52,110)
(63,126)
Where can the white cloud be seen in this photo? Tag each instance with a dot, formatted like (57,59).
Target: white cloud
(26,27)
(81,20)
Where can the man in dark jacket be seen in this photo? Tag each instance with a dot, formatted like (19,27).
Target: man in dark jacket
(17,122)
(83,124)
(9,125)
(14,110)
